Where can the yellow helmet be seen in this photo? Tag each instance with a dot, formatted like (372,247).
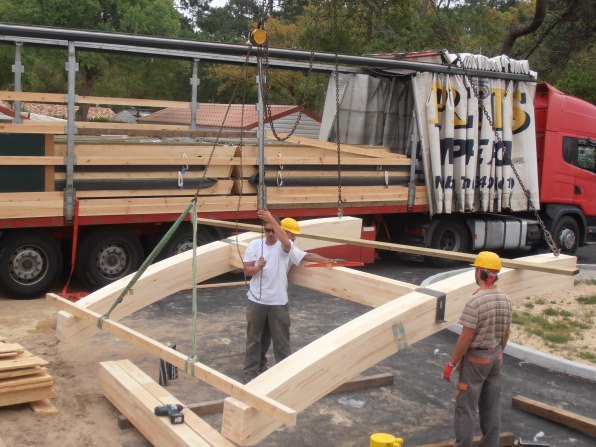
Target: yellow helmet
(488,260)
(290,225)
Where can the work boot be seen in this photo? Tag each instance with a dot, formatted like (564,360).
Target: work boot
(247,378)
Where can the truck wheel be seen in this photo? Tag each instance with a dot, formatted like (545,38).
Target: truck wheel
(181,240)
(450,235)
(30,262)
(566,235)
(106,255)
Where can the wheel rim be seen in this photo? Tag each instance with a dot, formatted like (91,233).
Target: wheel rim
(28,265)
(183,246)
(112,261)
(448,241)
(567,239)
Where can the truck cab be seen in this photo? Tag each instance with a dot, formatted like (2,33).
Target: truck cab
(566,147)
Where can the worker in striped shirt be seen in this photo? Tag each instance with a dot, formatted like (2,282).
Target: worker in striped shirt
(478,355)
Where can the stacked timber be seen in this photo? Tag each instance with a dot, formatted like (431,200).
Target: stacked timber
(24,378)
(115,176)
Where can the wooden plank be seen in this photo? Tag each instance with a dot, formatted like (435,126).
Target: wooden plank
(11,348)
(27,395)
(506,439)
(21,362)
(21,382)
(20,372)
(520,263)
(131,399)
(101,128)
(345,148)
(555,414)
(93,100)
(152,160)
(314,370)
(216,406)
(43,407)
(193,421)
(49,170)
(363,382)
(214,378)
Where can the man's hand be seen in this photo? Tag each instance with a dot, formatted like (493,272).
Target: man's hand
(261,263)
(448,370)
(265,216)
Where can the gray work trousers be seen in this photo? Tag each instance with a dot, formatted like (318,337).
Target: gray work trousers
(478,390)
(278,318)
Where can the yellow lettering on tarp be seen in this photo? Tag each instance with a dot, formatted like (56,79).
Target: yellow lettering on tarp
(497,95)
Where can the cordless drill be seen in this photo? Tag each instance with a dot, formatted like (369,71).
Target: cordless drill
(173,411)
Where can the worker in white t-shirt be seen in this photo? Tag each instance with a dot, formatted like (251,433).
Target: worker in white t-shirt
(292,228)
(267,261)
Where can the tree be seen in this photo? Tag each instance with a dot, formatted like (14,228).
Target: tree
(96,71)
(523,29)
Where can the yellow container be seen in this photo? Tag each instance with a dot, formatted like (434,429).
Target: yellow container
(385,440)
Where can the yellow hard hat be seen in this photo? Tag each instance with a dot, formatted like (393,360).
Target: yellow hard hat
(488,260)
(290,225)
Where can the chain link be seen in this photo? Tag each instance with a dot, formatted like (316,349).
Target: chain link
(459,62)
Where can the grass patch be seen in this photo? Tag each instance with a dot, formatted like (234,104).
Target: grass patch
(587,299)
(587,355)
(540,301)
(554,326)
(529,306)
(589,282)
(552,312)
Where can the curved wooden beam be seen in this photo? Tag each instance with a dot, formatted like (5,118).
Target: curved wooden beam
(315,370)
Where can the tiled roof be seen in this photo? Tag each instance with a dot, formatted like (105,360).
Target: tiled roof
(212,115)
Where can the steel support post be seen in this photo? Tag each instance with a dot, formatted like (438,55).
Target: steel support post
(194,84)
(18,69)
(72,67)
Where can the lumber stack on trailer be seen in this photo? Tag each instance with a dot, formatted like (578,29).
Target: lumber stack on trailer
(24,379)
(123,175)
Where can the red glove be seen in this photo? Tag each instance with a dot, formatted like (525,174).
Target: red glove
(448,371)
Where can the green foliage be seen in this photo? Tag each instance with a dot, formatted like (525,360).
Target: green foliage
(558,330)
(587,299)
(562,51)
(588,355)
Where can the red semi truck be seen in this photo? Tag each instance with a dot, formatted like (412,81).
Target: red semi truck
(442,203)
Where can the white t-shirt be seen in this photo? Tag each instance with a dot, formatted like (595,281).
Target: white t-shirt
(270,285)
(296,256)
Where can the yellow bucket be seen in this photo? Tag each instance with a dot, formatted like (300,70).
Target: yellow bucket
(385,440)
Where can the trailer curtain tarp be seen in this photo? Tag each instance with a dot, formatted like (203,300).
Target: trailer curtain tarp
(465,167)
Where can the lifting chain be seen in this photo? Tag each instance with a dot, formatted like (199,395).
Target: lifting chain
(547,236)
(340,199)
(263,52)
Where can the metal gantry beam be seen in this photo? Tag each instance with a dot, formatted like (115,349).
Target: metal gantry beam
(222,52)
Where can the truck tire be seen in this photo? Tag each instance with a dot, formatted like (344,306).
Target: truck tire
(30,262)
(107,254)
(181,240)
(566,235)
(450,235)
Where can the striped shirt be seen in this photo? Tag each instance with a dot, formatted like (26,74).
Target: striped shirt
(488,312)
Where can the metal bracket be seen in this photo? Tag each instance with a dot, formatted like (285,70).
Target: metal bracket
(441,302)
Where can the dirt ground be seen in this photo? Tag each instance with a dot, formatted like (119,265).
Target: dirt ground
(85,418)
(561,306)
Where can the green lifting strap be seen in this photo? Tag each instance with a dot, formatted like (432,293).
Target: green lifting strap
(158,248)
(193,357)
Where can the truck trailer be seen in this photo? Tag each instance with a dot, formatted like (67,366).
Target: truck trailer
(431,152)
